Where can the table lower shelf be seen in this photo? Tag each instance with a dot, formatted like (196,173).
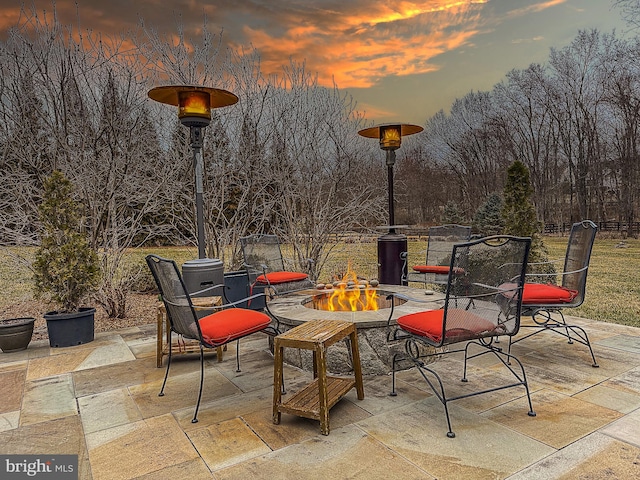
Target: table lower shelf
(306,402)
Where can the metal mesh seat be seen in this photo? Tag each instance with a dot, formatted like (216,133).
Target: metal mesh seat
(480,305)
(223,326)
(543,299)
(441,241)
(265,265)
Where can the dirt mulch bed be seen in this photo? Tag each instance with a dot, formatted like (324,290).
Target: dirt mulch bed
(141,310)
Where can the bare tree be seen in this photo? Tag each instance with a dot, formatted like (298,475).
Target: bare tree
(524,116)
(322,167)
(621,127)
(575,95)
(630,10)
(85,116)
(469,144)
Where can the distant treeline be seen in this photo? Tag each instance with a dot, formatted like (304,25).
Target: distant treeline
(574,121)
(287,158)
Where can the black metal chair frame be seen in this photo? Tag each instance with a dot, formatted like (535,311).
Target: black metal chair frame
(264,266)
(574,275)
(153,261)
(441,239)
(460,295)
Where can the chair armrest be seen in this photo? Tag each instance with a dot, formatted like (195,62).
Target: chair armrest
(214,308)
(185,304)
(199,292)
(402,296)
(243,300)
(261,267)
(556,274)
(498,289)
(548,262)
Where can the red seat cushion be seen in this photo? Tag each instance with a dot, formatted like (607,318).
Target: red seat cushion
(232,323)
(282,277)
(442,269)
(438,269)
(461,324)
(546,293)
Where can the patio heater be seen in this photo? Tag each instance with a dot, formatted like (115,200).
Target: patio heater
(194,111)
(391,245)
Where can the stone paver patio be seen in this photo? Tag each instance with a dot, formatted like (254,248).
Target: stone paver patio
(100,401)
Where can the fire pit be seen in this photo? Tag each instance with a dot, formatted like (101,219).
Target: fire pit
(351,299)
(366,306)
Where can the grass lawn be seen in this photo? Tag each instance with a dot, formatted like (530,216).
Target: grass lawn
(613,293)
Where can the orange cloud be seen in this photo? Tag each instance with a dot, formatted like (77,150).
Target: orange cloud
(355,43)
(359,47)
(9,18)
(537,7)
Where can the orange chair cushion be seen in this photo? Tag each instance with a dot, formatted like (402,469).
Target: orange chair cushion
(232,323)
(441,269)
(438,269)
(460,324)
(546,293)
(281,277)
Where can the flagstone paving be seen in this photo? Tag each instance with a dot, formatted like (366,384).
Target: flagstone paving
(100,401)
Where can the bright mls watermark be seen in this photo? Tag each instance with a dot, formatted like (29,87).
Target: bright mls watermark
(52,467)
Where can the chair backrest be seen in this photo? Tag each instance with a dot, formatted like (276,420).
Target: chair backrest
(259,251)
(182,316)
(578,256)
(484,289)
(441,241)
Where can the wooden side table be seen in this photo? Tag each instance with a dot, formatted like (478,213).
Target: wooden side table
(317,398)
(180,346)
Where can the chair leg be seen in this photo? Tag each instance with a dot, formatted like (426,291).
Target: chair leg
(166,373)
(505,359)
(580,336)
(439,389)
(531,412)
(393,376)
(561,327)
(195,414)
(238,356)
(583,338)
(413,354)
(442,396)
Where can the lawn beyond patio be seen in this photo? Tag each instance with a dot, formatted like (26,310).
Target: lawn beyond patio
(613,292)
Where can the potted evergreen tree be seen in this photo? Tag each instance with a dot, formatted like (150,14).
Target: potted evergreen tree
(66,268)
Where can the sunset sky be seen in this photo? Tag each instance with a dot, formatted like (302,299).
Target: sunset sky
(401,60)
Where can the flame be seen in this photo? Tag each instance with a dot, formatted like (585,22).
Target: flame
(194,103)
(351,295)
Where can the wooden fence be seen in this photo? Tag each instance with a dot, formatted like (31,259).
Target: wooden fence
(420,234)
(619,227)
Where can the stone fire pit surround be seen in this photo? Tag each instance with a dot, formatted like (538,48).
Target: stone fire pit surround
(376,353)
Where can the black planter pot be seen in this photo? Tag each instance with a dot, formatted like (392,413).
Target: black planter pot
(69,329)
(15,334)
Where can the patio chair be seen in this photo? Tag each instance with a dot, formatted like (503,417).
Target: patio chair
(480,305)
(219,328)
(541,300)
(441,241)
(265,266)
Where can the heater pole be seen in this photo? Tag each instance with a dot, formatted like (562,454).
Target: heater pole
(392,246)
(198,164)
(194,104)
(391,160)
